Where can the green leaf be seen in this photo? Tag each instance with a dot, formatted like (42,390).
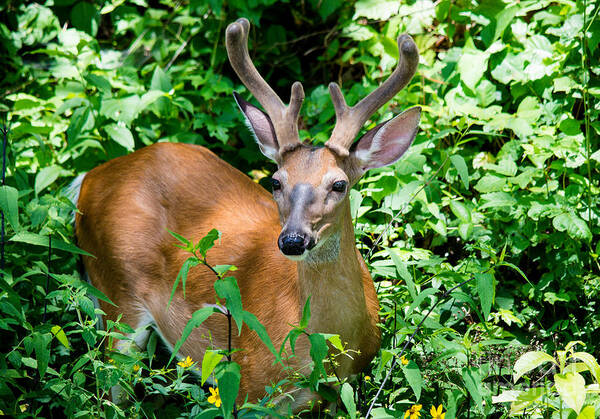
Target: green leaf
(229,386)
(414,378)
(253,324)
(208,241)
(571,388)
(471,65)
(228,289)
(195,321)
(182,276)
(575,226)
(404,274)
(46,177)
(461,211)
(59,334)
(42,351)
(80,120)
(590,362)
(39,240)
(588,412)
(497,200)
(529,361)
(485,289)
(9,205)
(461,167)
(121,135)
(305,314)
(347,396)
(209,362)
(376,9)
(160,81)
(85,17)
(473,383)
(318,352)
(490,183)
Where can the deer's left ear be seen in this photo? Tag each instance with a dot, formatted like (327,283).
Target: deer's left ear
(388,141)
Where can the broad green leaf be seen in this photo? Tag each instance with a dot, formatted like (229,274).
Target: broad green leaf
(209,362)
(490,183)
(497,200)
(529,361)
(461,167)
(81,120)
(347,396)
(59,334)
(195,321)
(85,17)
(414,378)
(590,362)
(42,351)
(461,211)
(39,240)
(228,289)
(571,388)
(471,65)
(336,341)
(575,226)
(46,177)
(9,205)
(588,412)
(318,352)
(485,290)
(473,383)
(160,81)
(121,135)
(404,274)
(376,9)
(229,386)
(208,241)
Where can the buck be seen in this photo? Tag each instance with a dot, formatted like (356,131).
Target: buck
(295,243)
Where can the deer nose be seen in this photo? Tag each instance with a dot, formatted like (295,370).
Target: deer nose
(292,244)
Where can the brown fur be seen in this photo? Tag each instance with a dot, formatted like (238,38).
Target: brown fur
(126,206)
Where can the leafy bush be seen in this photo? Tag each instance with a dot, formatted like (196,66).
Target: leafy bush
(482,241)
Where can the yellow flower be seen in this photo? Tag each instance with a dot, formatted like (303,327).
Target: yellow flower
(403,360)
(186,363)
(413,412)
(136,368)
(437,413)
(214,397)
(367,378)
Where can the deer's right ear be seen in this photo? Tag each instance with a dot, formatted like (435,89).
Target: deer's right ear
(261,126)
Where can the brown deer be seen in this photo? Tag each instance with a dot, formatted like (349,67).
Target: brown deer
(290,245)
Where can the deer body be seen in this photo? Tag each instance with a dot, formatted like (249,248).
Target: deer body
(294,244)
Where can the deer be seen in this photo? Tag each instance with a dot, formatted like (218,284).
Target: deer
(294,243)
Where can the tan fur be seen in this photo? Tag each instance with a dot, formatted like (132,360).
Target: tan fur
(126,206)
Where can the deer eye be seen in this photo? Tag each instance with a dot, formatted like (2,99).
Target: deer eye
(275,184)
(339,186)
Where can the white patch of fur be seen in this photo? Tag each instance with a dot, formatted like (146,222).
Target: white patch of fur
(326,250)
(73,190)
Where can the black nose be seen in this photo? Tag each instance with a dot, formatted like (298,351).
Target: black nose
(292,244)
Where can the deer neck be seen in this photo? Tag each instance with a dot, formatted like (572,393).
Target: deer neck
(332,277)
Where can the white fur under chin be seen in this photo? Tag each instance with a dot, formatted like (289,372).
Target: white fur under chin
(326,250)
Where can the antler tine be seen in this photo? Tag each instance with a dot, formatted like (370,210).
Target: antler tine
(349,120)
(284,118)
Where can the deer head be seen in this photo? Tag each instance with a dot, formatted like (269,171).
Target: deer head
(311,184)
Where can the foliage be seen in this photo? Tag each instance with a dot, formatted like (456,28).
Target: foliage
(483,240)
(569,393)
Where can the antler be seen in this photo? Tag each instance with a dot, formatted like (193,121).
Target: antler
(349,120)
(284,118)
